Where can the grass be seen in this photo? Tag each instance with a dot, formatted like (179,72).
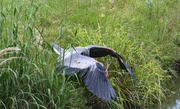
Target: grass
(145,33)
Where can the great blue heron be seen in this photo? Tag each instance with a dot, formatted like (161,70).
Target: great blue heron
(81,60)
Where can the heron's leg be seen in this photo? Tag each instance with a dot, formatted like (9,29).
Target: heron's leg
(107,67)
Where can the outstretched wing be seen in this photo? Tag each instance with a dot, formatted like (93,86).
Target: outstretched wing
(101,51)
(57,49)
(95,79)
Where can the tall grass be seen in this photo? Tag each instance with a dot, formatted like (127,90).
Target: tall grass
(145,33)
(30,80)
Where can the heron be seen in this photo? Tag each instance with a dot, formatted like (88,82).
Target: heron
(80,60)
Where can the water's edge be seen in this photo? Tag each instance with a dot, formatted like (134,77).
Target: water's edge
(173,101)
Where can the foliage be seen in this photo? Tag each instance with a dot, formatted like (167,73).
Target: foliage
(145,33)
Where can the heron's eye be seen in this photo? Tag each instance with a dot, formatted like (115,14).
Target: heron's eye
(82,53)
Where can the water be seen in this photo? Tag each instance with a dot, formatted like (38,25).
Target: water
(173,101)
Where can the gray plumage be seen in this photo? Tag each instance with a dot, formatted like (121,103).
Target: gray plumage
(81,60)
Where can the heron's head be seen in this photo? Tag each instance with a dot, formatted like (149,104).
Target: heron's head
(83,51)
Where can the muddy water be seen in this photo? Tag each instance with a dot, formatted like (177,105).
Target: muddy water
(173,101)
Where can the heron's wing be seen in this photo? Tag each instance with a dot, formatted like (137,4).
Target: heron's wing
(101,51)
(95,79)
(97,82)
(57,49)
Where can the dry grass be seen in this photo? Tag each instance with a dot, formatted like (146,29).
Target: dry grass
(8,51)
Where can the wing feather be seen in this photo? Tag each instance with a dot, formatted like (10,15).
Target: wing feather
(95,79)
(103,88)
(105,94)
(59,50)
(67,70)
(83,72)
(97,90)
(125,66)
(101,51)
(97,82)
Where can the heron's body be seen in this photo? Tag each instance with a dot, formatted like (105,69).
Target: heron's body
(81,60)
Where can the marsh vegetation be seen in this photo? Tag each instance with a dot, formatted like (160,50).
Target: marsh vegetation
(145,33)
